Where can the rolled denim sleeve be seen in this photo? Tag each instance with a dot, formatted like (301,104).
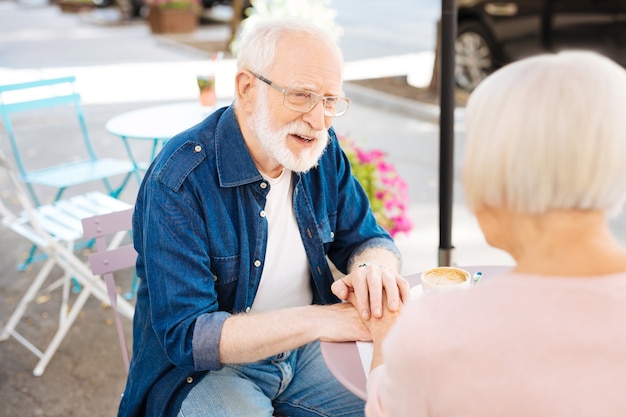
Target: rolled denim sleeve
(206,339)
(379,243)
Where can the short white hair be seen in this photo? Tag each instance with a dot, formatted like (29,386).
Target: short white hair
(548,132)
(259,43)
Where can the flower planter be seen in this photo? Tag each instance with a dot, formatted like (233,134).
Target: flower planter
(385,189)
(75,6)
(164,20)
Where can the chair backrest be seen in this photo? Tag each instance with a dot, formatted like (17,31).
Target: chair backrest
(34,95)
(100,227)
(110,257)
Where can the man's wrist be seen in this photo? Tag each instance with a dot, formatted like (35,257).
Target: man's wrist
(365,264)
(376,256)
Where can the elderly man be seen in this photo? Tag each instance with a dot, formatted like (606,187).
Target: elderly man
(234,224)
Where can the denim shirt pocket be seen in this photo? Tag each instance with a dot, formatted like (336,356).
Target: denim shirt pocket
(225,277)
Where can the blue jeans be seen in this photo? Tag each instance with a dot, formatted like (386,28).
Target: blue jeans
(295,384)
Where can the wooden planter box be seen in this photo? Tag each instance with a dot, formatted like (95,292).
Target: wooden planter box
(74,6)
(172,20)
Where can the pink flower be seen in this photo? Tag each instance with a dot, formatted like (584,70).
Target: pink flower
(386,190)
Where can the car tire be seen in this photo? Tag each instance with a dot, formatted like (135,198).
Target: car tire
(474,54)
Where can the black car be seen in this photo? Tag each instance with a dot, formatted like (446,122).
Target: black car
(493,33)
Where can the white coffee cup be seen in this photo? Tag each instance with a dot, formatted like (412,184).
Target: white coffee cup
(445,278)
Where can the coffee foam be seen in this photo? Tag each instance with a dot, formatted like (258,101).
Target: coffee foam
(446,277)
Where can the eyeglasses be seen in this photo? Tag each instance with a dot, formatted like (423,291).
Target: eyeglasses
(304,101)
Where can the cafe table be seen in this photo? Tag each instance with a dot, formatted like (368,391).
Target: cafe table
(343,358)
(157,124)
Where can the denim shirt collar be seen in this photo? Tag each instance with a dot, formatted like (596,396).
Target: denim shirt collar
(235,166)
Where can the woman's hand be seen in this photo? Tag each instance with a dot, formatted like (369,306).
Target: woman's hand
(379,328)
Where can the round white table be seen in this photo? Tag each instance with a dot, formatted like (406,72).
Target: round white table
(343,358)
(158,124)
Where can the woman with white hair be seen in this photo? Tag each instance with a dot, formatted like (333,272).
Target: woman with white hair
(545,165)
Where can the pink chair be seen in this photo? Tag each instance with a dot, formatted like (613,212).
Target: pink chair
(111,257)
(106,261)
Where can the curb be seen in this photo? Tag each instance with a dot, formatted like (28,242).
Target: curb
(384,101)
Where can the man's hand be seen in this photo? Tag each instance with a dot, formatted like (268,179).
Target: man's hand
(364,288)
(340,323)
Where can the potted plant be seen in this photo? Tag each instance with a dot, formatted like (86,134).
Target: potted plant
(76,6)
(173,16)
(385,189)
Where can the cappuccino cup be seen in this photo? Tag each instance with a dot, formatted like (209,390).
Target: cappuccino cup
(445,278)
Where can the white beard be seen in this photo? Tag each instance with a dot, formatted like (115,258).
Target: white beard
(274,141)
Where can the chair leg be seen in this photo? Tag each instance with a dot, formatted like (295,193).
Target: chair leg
(29,259)
(133,288)
(115,192)
(90,286)
(30,295)
(98,289)
(66,319)
(64,327)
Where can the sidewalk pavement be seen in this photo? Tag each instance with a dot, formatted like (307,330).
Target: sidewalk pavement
(121,67)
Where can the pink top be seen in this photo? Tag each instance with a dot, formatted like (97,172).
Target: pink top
(519,345)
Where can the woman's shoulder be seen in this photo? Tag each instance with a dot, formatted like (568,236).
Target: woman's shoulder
(515,300)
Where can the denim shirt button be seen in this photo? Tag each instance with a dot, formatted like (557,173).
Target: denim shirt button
(257,263)
(189,379)
(264,185)
(332,235)
(197,149)
(215,278)
(247,309)
(262,213)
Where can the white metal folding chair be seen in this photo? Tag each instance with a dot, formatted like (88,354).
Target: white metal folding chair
(54,228)
(110,258)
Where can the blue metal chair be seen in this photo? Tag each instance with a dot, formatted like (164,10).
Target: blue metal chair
(43,94)
(35,99)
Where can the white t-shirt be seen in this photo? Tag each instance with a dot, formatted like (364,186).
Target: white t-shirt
(285,281)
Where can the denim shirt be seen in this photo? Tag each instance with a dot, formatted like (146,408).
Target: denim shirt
(201,236)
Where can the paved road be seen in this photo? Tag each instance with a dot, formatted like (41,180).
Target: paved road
(375,28)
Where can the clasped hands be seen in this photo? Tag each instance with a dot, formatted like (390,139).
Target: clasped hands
(377,293)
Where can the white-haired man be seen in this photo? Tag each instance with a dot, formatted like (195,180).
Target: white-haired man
(234,223)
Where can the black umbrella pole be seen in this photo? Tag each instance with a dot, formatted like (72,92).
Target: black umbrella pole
(446,130)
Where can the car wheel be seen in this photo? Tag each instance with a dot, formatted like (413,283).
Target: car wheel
(474,55)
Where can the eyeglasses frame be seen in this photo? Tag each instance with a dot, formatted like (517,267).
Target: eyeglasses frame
(318,97)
